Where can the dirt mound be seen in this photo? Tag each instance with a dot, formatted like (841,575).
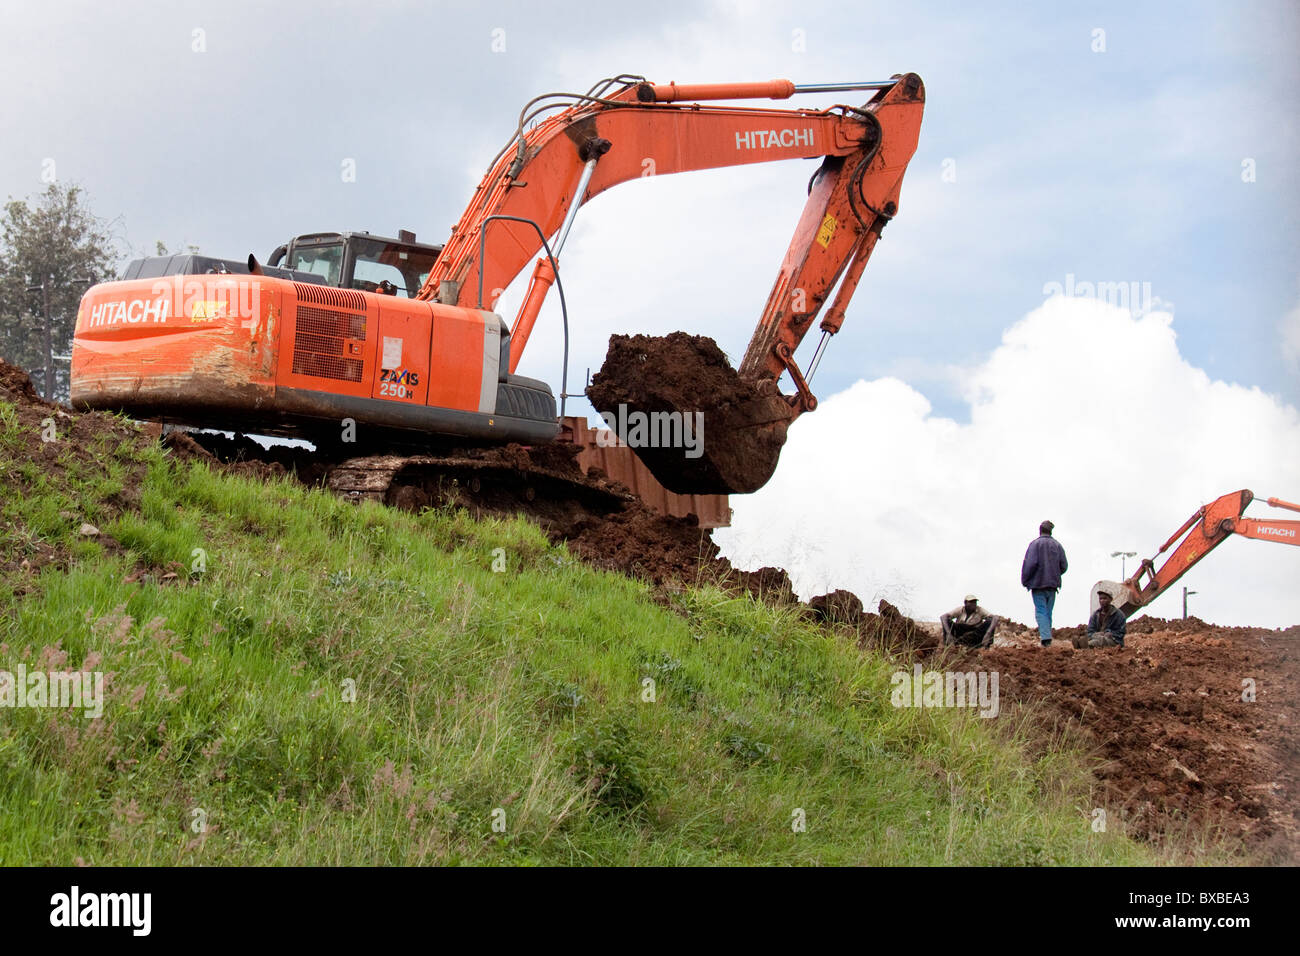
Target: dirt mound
(1177,747)
(16,386)
(838,607)
(67,449)
(1140,625)
(742,424)
(767,584)
(1148,625)
(1178,744)
(889,630)
(893,631)
(644,544)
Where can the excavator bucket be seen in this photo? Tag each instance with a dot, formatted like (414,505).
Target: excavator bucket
(1123,597)
(689,416)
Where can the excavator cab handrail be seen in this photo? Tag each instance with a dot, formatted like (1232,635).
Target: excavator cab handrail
(555,269)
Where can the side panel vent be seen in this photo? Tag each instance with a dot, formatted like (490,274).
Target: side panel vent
(326,343)
(330,296)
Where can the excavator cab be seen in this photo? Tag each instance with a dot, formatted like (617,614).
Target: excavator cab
(359,260)
(344,260)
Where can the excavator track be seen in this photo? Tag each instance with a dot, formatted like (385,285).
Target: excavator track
(412,482)
(543,483)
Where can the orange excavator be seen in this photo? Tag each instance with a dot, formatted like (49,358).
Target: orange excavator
(341,337)
(1200,534)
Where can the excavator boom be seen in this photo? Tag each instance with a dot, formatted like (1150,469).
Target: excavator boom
(546,173)
(1200,534)
(541,178)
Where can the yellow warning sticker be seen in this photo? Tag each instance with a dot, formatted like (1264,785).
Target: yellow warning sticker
(827,230)
(206,310)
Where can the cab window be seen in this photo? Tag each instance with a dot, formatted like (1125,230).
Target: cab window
(377,262)
(325,260)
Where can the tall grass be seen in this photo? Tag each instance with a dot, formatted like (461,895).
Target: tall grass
(296,680)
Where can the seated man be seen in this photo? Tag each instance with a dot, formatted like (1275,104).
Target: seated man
(1106,627)
(969,625)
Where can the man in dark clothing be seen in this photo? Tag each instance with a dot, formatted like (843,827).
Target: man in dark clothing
(969,625)
(1041,573)
(1106,627)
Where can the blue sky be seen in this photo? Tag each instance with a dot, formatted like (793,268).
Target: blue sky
(1107,157)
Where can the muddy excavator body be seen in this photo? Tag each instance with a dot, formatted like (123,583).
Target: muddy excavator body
(288,352)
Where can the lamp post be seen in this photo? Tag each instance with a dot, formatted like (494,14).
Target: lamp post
(1122,555)
(1185,594)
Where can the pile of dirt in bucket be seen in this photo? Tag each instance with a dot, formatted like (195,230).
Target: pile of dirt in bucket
(695,423)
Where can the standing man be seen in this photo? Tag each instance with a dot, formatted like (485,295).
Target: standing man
(1107,625)
(1041,573)
(969,624)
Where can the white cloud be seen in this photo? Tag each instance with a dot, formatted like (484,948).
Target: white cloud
(1084,415)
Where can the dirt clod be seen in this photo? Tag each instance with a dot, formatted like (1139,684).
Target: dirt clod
(742,424)
(838,607)
(767,584)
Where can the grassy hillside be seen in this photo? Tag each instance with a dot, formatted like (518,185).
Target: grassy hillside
(516,696)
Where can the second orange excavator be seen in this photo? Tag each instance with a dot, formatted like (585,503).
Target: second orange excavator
(1200,534)
(398,340)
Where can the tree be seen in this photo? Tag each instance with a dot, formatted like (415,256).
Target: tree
(50,253)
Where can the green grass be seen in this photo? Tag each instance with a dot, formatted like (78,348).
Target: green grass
(322,683)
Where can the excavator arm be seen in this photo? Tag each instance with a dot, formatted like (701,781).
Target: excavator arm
(1200,534)
(537,183)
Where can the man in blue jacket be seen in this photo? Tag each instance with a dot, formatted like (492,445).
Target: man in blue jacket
(1041,573)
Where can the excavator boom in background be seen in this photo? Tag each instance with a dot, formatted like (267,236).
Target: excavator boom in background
(399,338)
(1200,534)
